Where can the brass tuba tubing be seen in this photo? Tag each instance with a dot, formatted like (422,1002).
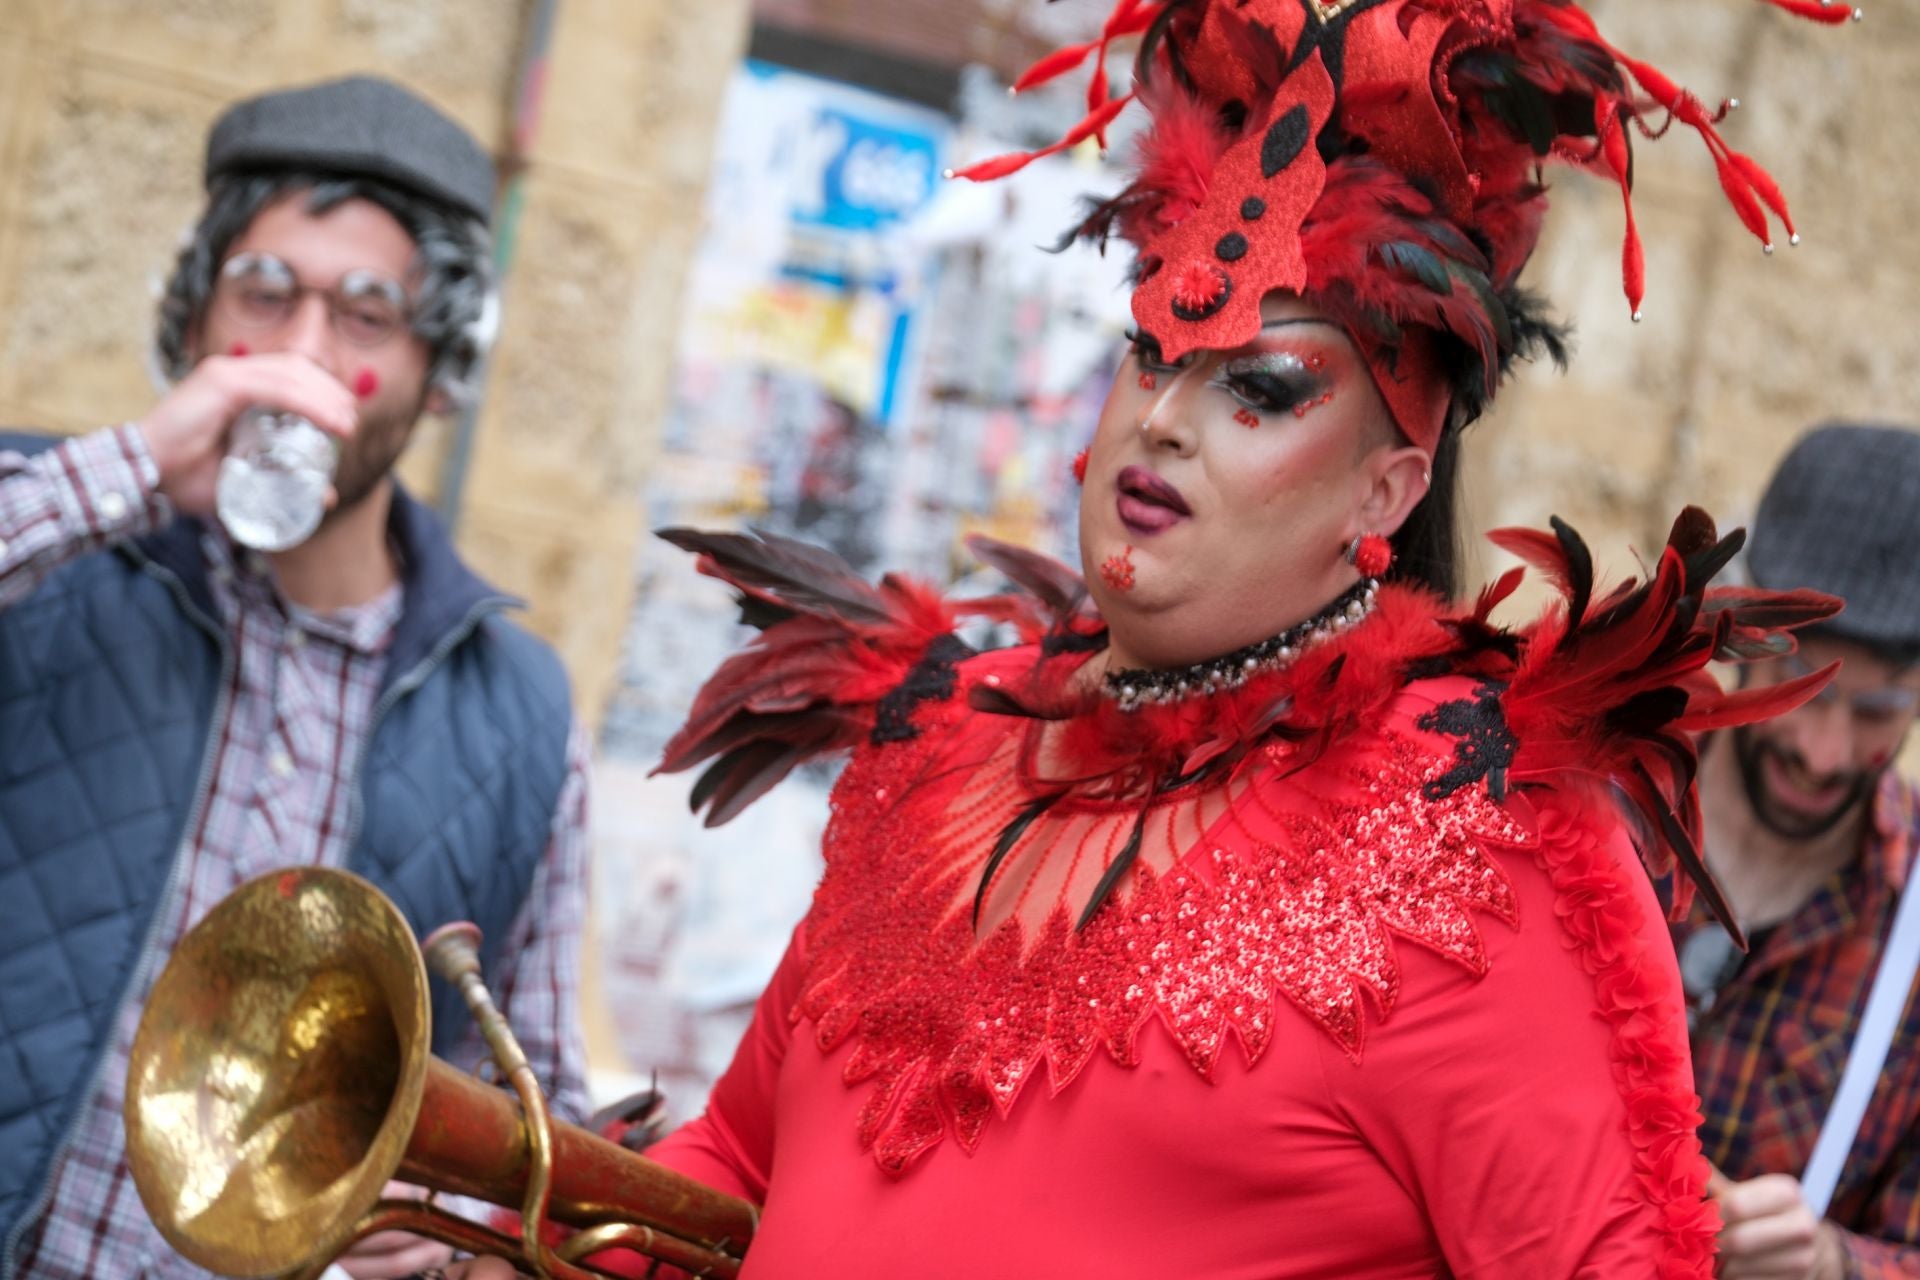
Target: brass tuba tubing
(281,1076)
(563,1263)
(468,1141)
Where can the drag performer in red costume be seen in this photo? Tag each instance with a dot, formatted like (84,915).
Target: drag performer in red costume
(1266,915)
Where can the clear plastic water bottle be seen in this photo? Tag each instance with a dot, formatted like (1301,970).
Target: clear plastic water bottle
(273,481)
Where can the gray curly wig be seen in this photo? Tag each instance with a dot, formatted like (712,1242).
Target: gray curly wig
(455,305)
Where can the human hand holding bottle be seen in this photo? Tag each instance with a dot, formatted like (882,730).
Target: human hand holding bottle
(186,431)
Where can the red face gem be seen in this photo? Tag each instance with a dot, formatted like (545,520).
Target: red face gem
(366,383)
(1146,382)
(1080,467)
(1118,570)
(1247,418)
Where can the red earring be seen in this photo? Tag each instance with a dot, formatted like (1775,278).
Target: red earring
(1080,467)
(1371,554)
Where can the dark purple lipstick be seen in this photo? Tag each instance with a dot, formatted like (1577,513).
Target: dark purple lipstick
(1147,504)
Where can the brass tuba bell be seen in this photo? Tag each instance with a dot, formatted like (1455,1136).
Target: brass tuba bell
(281,1076)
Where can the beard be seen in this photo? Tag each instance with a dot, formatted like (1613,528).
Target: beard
(368,458)
(1751,751)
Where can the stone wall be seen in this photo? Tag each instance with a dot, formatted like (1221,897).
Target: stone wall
(1739,350)
(104,108)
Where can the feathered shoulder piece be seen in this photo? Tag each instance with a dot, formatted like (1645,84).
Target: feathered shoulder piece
(833,650)
(1613,688)
(1601,694)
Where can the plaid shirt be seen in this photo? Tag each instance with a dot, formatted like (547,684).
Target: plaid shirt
(1768,1053)
(300,704)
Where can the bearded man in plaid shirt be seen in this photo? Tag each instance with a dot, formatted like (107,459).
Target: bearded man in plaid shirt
(179,714)
(1812,831)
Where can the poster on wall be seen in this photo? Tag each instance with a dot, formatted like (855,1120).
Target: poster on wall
(796,348)
(870,359)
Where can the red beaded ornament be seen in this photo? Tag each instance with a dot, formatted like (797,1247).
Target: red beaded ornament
(1147,382)
(1371,554)
(1118,570)
(1247,418)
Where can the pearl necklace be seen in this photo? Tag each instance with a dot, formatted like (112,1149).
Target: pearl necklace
(1133,688)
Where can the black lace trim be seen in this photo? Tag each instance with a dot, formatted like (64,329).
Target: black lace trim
(1485,747)
(931,680)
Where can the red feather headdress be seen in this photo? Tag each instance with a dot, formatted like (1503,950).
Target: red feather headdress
(1383,157)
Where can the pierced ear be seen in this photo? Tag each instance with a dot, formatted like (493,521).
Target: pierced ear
(1400,479)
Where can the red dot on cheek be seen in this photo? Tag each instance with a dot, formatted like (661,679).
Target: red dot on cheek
(366,383)
(237,349)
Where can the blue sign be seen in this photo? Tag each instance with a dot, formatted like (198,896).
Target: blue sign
(874,174)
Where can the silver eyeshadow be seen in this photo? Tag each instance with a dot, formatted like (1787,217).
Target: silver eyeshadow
(1278,364)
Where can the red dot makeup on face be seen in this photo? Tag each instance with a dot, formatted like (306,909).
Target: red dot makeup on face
(1247,418)
(1147,382)
(237,349)
(1118,570)
(1080,467)
(365,383)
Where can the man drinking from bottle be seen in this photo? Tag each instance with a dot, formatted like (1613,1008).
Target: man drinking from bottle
(201,680)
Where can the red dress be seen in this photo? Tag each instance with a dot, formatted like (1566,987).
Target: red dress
(1382,991)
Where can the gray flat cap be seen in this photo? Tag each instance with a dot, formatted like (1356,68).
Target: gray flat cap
(1842,515)
(361,127)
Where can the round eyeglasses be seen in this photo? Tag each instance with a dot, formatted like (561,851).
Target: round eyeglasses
(259,291)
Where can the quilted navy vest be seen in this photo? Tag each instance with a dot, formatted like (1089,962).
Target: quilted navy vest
(111,675)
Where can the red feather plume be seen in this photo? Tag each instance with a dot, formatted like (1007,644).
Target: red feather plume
(1611,689)
(831,647)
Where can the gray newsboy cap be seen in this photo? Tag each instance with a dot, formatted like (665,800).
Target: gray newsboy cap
(1842,515)
(360,127)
